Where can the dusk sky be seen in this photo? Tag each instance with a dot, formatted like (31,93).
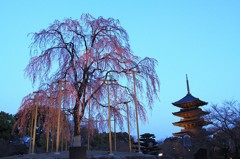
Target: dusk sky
(198,38)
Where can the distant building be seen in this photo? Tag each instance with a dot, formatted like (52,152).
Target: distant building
(190,114)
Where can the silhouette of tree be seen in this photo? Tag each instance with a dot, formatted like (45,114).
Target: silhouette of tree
(86,53)
(6,125)
(173,147)
(149,144)
(10,143)
(225,118)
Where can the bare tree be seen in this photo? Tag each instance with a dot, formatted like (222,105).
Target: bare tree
(85,53)
(225,120)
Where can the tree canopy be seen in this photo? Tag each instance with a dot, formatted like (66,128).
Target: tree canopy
(87,55)
(6,125)
(149,144)
(225,118)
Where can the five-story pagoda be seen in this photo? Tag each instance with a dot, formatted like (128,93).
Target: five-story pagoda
(190,114)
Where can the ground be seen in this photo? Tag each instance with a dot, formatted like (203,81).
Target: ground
(90,155)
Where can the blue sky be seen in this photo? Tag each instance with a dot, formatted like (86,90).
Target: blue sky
(198,38)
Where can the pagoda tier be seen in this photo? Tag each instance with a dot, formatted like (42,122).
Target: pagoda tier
(189,101)
(191,123)
(192,133)
(190,114)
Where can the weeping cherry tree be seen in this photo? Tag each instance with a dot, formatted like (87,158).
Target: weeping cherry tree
(89,53)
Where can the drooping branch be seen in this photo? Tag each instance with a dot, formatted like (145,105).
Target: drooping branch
(84,52)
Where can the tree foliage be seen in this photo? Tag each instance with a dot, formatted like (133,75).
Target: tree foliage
(173,147)
(46,103)
(225,118)
(6,125)
(87,53)
(10,143)
(149,144)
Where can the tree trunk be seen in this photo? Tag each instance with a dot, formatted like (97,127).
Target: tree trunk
(66,144)
(47,138)
(30,146)
(52,143)
(77,132)
(236,147)
(62,140)
(236,151)
(77,151)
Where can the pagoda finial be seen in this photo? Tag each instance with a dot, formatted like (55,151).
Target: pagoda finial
(188,90)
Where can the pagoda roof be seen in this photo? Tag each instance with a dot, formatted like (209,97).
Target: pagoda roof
(194,111)
(199,121)
(189,101)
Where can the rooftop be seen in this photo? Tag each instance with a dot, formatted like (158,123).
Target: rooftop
(189,101)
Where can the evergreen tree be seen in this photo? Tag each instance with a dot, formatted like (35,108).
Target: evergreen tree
(149,144)
(6,124)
